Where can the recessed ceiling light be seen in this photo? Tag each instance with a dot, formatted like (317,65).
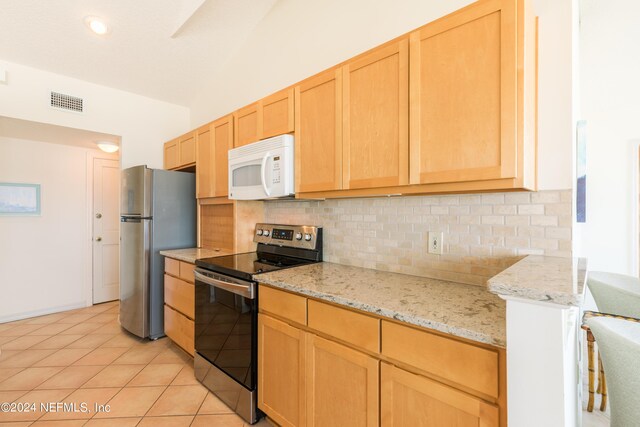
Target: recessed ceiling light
(96,25)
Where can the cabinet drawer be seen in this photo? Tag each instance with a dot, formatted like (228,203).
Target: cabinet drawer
(186,271)
(355,328)
(180,295)
(179,329)
(462,363)
(283,304)
(172,266)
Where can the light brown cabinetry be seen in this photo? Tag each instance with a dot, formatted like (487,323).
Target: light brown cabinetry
(407,399)
(343,367)
(465,119)
(281,371)
(342,385)
(228,224)
(271,116)
(179,303)
(213,142)
(318,138)
(171,154)
(376,118)
(180,153)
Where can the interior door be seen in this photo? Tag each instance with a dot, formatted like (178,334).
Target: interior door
(106,230)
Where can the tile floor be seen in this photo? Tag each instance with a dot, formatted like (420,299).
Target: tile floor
(84,357)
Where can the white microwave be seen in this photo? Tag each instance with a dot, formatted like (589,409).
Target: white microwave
(262,170)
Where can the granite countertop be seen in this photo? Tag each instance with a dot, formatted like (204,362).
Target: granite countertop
(465,311)
(192,254)
(543,278)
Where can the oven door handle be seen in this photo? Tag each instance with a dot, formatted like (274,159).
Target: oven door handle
(245,290)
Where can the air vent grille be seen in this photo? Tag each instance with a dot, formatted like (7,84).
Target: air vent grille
(67,102)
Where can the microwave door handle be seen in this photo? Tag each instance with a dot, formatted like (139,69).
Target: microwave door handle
(263,172)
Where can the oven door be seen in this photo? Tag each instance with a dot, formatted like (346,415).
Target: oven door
(226,316)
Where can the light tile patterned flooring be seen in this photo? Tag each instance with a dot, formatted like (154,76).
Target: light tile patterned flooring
(84,356)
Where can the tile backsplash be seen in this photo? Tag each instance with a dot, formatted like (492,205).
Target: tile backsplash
(483,233)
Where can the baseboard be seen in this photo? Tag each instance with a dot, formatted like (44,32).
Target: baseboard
(36,313)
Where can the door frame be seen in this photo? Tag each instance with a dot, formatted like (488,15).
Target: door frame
(88,260)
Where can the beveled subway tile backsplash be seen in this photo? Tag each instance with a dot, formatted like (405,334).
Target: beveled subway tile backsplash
(483,233)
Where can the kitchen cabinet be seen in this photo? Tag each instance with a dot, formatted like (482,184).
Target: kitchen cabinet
(213,142)
(205,162)
(318,136)
(407,399)
(171,154)
(271,116)
(375,118)
(180,153)
(228,224)
(281,371)
(342,385)
(179,303)
(473,96)
(322,364)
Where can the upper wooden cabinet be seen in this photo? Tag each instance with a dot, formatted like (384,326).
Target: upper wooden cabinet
(375,118)
(247,125)
(205,162)
(181,152)
(222,130)
(171,154)
(468,95)
(213,142)
(271,116)
(318,138)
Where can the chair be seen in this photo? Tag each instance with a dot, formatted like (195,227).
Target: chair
(616,295)
(619,344)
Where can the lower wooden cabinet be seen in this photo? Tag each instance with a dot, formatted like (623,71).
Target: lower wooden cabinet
(179,303)
(281,374)
(311,373)
(342,385)
(407,399)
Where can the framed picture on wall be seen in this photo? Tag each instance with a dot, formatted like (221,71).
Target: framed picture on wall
(581,171)
(19,199)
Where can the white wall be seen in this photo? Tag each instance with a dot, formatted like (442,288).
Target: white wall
(610,66)
(143,123)
(299,38)
(45,260)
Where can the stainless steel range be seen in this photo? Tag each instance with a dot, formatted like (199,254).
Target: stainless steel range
(226,315)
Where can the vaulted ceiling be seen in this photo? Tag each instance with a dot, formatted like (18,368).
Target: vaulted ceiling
(163,49)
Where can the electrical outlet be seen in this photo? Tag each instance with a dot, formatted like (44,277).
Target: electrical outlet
(435,242)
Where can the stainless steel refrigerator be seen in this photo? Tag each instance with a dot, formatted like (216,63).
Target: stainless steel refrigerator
(158,212)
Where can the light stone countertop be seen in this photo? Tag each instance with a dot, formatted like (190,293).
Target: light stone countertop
(465,311)
(192,254)
(543,278)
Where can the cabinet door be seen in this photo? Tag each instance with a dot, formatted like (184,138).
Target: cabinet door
(171,154)
(463,96)
(375,118)
(277,114)
(407,399)
(187,149)
(222,142)
(247,126)
(281,361)
(342,385)
(318,141)
(204,161)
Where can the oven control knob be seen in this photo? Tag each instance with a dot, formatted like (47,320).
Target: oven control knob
(298,236)
(266,233)
(307,237)
(259,232)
